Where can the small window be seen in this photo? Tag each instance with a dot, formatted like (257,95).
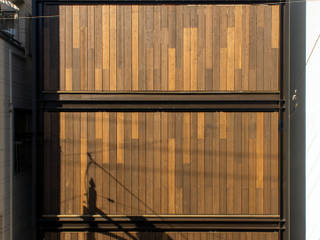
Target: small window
(22,140)
(9,24)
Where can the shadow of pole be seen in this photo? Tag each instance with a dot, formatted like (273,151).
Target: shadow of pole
(140,221)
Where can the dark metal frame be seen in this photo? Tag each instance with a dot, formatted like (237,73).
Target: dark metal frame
(162,223)
(95,101)
(295,69)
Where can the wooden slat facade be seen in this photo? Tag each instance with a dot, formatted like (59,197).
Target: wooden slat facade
(162,48)
(161,163)
(164,159)
(166,236)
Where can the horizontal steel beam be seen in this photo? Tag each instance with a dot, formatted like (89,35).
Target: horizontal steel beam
(119,2)
(95,101)
(161,96)
(159,224)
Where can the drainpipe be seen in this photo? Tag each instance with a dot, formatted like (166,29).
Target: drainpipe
(11,142)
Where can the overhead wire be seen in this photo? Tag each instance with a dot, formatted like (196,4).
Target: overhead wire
(266,3)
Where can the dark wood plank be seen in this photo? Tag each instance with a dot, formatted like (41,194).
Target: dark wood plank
(164,163)
(113,162)
(142,163)
(135,163)
(75,48)
(149,162)
(77,162)
(252,48)
(91,49)
(208,162)
(120,163)
(127,163)
(194,163)
(98,48)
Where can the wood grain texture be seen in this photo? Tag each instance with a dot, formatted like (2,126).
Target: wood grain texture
(162,48)
(167,235)
(162,163)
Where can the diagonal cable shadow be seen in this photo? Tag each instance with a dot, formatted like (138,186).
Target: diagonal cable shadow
(92,209)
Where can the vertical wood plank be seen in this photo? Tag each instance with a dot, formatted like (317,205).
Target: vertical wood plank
(216,163)
(77,163)
(142,162)
(209,45)
(164,162)
(201,48)
(62,163)
(230,50)
(157,164)
(69,163)
(62,46)
(194,59)
(149,46)
(259,165)
(127,48)
(149,161)
(252,48)
(171,69)
(106,161)
(75,48)
(113,47)
(69,48)
(260,44)
(135,47)
(216,48)
(238,47)
(141,47)
(267,163)
(113,161)
(194,163)
(275,26)
(245,164)
(91,51)
(120,162)
(105,47)
(274,163)
(223,163)
(245,50)
(127,201)
(98,158)
(230,164)
(208,162)
(186,58)
(120,47)
(179,48)
(252,163)
(267,53)
(83,47)
(157,47)
(238,158)
(164,47)
(179,162)
(135,162)
(186,162)
(171,164)
(200,139)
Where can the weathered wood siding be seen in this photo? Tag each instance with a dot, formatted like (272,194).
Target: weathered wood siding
(162,48)
(167,236)
(160,163)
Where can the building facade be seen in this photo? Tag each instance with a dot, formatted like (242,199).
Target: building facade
(169,120)
(15,121)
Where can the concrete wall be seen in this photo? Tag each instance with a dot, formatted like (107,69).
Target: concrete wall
(21,73)
(22,76)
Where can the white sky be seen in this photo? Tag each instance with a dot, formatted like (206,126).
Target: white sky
(313,122)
